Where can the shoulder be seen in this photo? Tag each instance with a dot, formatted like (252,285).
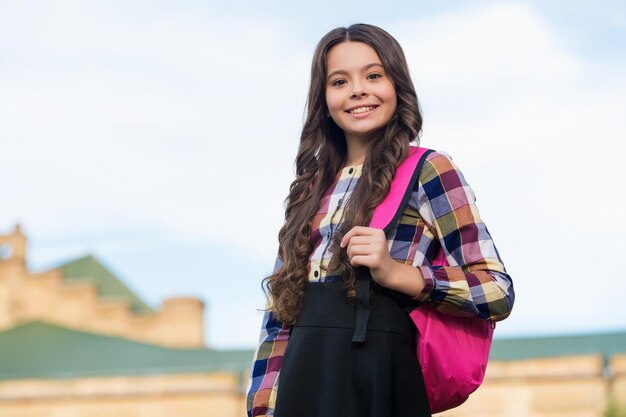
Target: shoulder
(439,176)
(438,164)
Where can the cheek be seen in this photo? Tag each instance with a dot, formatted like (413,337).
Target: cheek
(392,98)
(390,93)
(395,103)
(332,102)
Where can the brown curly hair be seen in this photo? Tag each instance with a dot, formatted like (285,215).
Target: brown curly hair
(322,153)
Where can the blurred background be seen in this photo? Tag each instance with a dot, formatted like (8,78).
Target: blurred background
(153,142)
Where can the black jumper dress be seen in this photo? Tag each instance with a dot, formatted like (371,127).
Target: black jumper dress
(326,374)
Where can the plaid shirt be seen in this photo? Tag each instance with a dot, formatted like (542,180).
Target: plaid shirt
(441,213)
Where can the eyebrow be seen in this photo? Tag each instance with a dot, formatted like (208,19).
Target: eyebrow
(366,67)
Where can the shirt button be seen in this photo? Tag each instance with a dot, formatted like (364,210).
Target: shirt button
(340,201)
(351,171)
(328,235)
(316,273)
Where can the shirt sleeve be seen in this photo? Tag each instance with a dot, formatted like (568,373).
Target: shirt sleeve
(268,358)
(476,282)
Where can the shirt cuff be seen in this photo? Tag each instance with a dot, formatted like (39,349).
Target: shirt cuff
(429,284)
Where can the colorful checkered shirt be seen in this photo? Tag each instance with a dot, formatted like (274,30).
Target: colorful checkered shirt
(441,213)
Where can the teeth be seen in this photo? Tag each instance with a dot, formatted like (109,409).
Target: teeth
(361,109)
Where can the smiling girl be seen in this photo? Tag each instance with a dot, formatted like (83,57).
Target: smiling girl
(362,118)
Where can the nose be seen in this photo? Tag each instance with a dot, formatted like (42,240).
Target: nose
(358,90)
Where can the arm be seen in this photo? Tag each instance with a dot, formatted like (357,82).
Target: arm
(263,383)
(476,282)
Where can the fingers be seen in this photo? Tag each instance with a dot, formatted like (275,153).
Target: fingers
(360,240)
(359,249)
(360,260)
(365,246)
(357,231)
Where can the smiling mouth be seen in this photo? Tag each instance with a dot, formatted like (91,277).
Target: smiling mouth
(363,109)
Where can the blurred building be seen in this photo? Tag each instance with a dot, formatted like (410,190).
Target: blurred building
(76,341)
(563,376)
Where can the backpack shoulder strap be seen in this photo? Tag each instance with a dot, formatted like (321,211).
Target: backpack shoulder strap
(387,214)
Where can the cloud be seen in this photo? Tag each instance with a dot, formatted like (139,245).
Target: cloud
(502,45)
(538,131)
(185,123)
(161,120)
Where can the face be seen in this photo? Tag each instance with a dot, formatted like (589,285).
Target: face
(360,96)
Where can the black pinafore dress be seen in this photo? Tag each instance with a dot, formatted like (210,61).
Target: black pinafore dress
(325,373)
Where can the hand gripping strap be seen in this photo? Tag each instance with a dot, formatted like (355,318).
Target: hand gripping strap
(386,215)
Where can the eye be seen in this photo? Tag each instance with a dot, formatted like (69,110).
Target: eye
(374,76)
(338,82)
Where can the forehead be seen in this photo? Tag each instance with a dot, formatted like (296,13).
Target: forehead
(349,56)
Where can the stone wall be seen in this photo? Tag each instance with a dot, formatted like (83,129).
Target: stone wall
(577,386)
(555,387)
(191,395)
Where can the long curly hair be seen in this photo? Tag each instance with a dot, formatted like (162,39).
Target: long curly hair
(322,153)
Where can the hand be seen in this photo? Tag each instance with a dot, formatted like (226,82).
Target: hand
(368,247)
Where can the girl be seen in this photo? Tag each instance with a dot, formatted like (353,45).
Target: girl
(362,117)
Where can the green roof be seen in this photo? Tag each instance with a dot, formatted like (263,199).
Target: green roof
(90,269)
(606,344)
(43,350)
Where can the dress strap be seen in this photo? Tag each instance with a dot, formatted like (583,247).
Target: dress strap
(362,304)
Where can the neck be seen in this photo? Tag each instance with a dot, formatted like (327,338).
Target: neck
(356,151)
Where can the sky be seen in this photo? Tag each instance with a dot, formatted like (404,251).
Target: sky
(160,137)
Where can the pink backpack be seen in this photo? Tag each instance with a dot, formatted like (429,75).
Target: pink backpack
(453,351)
